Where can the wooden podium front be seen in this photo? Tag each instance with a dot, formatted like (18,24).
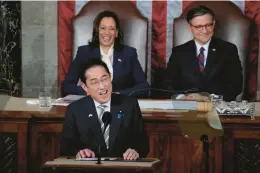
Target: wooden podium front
(63,165)
(29,138)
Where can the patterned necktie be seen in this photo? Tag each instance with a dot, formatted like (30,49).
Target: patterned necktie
(106,134)
(201,59)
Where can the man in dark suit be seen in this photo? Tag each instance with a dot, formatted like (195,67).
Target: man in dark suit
(207,62)
(82,131)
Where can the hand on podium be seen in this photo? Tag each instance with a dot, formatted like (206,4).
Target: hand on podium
(130,154)
(86,153)
(195,96)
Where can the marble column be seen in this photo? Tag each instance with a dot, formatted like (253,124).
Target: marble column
(10,48)
(39,47)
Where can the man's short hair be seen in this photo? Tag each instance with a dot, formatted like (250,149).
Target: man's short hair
(93,62)
(199,11)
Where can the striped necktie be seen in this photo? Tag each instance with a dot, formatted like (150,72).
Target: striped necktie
(201,59)
(106,134)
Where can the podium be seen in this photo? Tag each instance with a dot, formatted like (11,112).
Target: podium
(202,124)
(69,165)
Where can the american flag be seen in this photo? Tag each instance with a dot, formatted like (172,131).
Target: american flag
(160,15)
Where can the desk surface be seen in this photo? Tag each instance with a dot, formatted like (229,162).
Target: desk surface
(146,164)
(17,108)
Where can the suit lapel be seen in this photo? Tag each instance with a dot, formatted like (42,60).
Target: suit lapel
(193,59)
(211,59)
(116,122)
(117,61)
(92,117)
(95,53)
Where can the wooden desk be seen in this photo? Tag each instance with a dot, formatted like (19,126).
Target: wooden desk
(71,165)
(35,139)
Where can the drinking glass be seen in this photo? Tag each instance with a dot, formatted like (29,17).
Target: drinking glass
(44,99)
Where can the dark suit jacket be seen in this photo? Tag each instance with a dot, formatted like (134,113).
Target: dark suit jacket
(81,131)
(222,74)
(128,75)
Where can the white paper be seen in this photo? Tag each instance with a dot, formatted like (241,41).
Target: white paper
(168,104)
(65,101)
(95,159)
(32,101)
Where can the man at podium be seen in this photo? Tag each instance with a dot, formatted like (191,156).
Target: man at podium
(103,123)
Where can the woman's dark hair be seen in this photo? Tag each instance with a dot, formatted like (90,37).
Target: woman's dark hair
(95,41)
(199,11)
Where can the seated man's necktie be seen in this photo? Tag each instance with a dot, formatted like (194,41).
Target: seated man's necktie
(201,59)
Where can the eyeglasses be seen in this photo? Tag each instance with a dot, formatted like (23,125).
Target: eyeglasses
(200,27)
(95,83)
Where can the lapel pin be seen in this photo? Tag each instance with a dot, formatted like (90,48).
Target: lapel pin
(119,60)
(213,49)
(90,115)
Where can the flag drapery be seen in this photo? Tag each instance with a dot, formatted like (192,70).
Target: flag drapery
(160,15)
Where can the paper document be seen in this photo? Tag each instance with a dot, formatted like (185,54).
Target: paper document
(95,159)
(65,101)
(168,104)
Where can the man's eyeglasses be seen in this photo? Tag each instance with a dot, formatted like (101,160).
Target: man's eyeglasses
(200,27)
(95,83)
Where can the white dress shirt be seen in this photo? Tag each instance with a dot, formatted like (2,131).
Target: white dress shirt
(108,59)
(106,109)
(206,50)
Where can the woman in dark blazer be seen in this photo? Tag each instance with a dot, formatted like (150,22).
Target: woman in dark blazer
(106,43)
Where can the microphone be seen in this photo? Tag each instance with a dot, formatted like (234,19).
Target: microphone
(172,92)
(106,118)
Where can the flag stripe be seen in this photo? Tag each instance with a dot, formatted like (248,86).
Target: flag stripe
(79,5)
(159,21)
(171,15)
(186,4)
(240,4)
(145,8)
(66,12)
(160,16)
(252,11)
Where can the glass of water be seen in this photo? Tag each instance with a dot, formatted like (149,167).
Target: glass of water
(216,98)
(44,99)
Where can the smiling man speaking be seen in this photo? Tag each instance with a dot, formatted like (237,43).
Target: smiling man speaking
(82,131)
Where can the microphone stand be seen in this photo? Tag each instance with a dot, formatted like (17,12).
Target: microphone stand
(99,155)
(106,118)
(99,147)
(204,139)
